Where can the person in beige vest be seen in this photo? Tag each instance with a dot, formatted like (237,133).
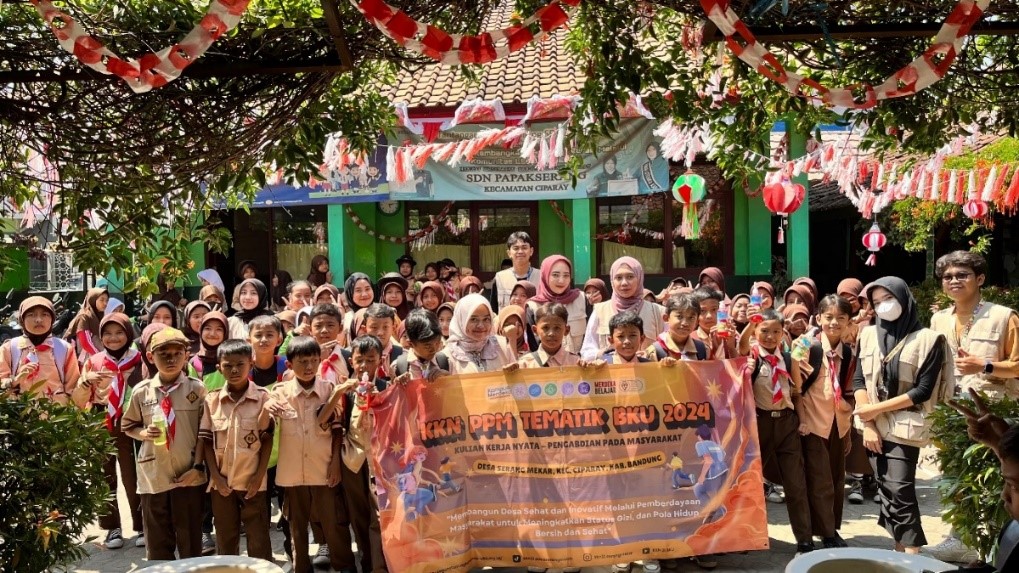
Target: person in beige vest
(520,249)
(556,285)
(627,276)
(984,338)
(904,369)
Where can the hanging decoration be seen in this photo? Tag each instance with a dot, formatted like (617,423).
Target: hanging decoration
(455,49)
(152,70)
(874,240)
(559,213)
(975,209)
(783,198)
(689,189)
(919,74)
(478,110)
(433,225)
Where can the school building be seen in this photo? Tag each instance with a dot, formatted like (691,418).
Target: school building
(738,234)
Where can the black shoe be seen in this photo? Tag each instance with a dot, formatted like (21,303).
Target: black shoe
(322,560)
(288,548)
(805,547)
(829,543)
(839,541)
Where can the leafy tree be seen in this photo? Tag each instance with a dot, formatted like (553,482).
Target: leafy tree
(52,484)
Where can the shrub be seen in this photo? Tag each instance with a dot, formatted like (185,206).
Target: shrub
(971,481)
(51,482)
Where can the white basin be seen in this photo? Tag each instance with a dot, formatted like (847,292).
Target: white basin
(214,564)
(859,560)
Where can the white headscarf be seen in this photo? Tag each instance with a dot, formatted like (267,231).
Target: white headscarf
(114,305)
(212,277)
(460,346)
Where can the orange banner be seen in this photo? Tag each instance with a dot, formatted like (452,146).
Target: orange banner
(568,467)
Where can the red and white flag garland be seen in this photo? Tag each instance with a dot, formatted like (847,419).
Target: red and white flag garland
(919,74)
(151,70)
(455,49)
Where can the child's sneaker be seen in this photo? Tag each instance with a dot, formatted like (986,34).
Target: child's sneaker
(651,566)
(208,545)
(114,539)
(140,540)
(621,568)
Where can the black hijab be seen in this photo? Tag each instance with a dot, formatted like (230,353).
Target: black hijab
(262,308)
(891,332)
(174,317)
(348,289)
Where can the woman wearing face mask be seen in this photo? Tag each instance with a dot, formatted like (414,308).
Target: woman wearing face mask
(627,276)
(556,285)
(905,369)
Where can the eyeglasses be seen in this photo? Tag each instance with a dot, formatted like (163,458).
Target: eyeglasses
(961,277)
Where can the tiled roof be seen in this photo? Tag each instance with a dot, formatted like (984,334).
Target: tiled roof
(543,68)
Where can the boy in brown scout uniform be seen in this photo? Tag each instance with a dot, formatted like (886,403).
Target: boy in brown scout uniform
(170,476)
(232,427)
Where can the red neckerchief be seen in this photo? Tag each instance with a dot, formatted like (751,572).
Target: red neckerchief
(778,370)
(166,404)
(118,388)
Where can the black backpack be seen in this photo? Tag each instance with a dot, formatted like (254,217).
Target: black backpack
(702,350)
(817,356)
(401,366)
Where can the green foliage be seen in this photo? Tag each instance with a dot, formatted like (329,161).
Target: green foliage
(51,482)
(913,224)
(929,295)
(971,481)
(1005,150)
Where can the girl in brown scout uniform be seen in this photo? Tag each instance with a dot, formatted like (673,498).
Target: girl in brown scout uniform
(107,379)
(827,412)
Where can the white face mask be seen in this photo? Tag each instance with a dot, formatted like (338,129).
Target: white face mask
(888,310)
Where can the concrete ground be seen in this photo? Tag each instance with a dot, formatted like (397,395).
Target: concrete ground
(859,529)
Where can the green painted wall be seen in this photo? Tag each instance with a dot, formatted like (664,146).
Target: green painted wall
(336,230)
(751,237)
(797,240)
(394,225)
(553,234)
(581,245)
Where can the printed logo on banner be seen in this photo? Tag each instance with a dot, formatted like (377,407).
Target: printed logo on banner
(602,387)
(498,393)
(551,389)
(631,386)
(584,388)
(519,391)
(568,388)
(534,390)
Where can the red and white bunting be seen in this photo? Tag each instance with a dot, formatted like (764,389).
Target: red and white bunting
(151,70)
(455,49)
(919,74)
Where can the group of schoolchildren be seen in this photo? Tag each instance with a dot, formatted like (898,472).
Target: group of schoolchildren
(213,419)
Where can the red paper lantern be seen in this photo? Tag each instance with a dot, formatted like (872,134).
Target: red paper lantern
(874,240)
(783,198)
(976,209)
